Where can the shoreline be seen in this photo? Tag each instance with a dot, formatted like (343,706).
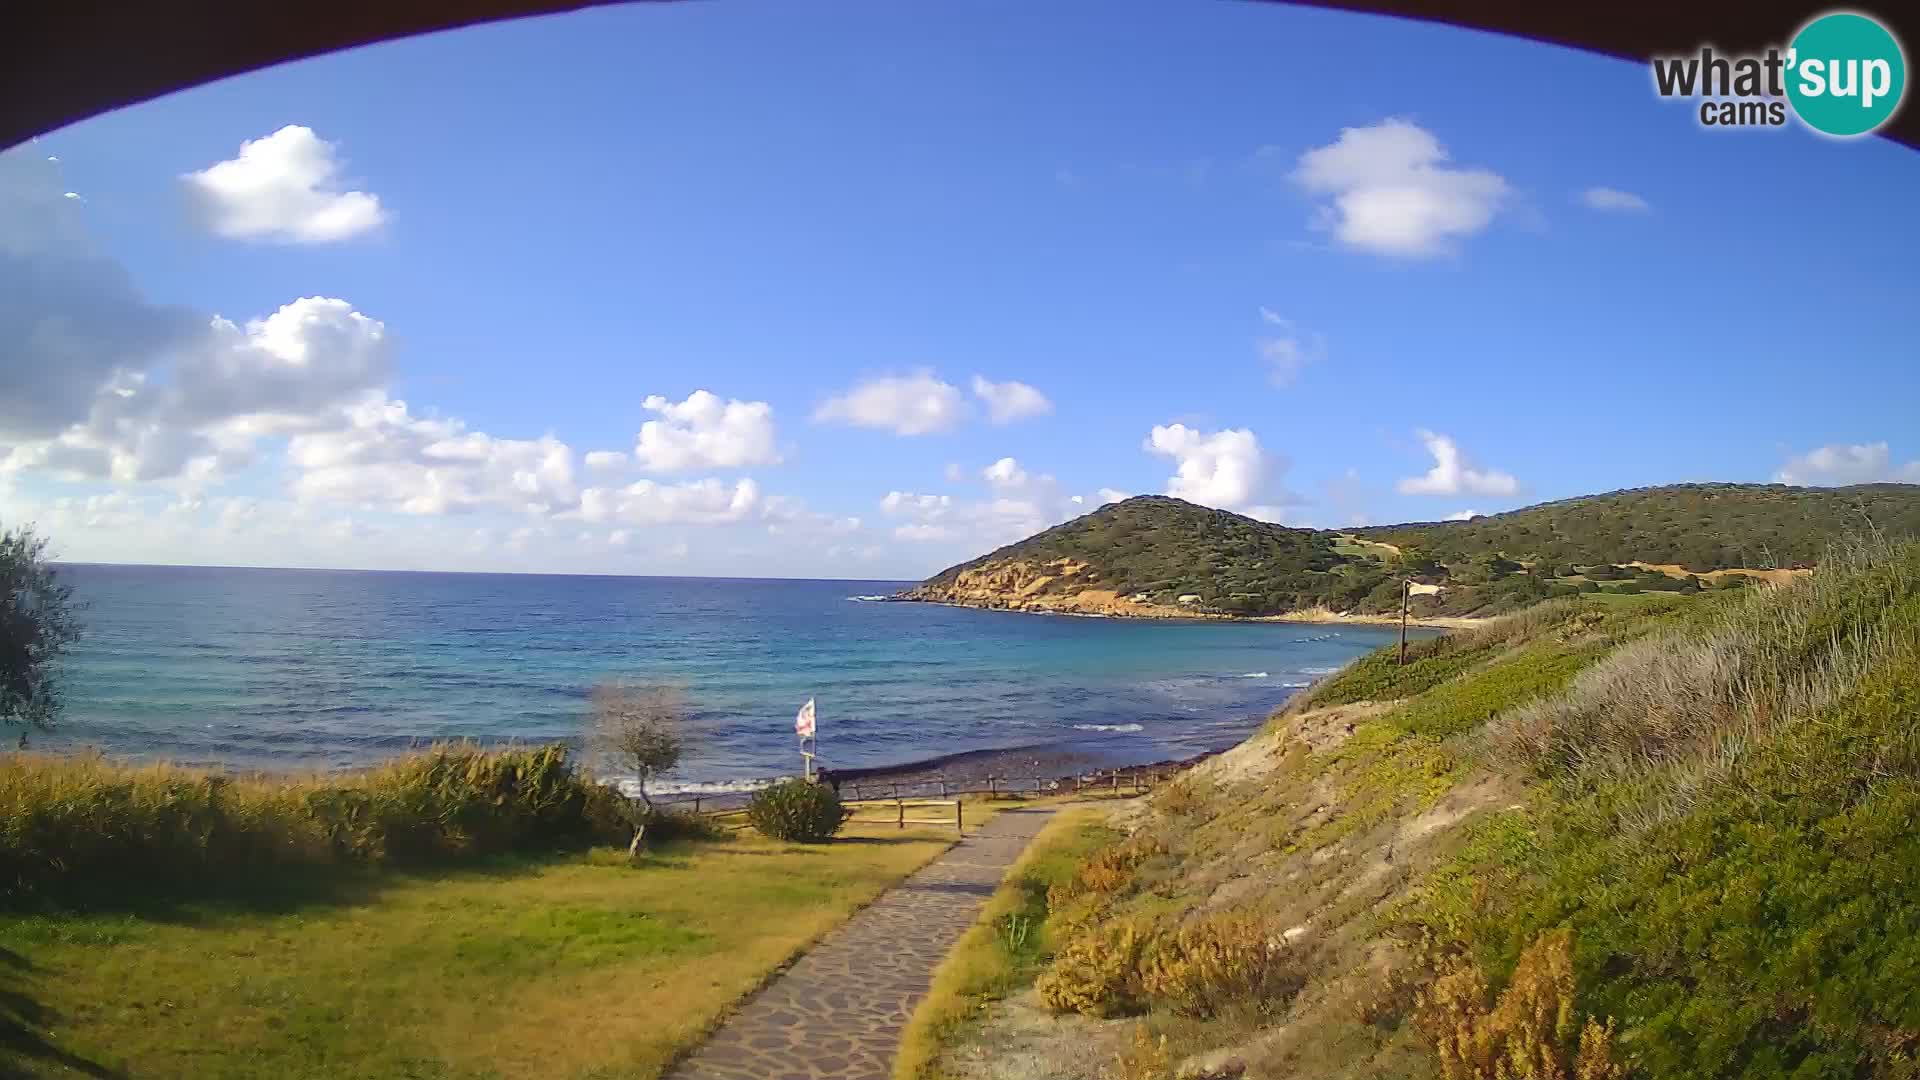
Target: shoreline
(1301,616)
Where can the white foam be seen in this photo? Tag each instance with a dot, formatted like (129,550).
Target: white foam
(631,788)
(1108,727)
(1296,685)
(1318,670)
(1254,675)
(869,599)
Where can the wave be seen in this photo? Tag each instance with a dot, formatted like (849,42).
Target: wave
(1296,685)
(876,599)
(1125,728)
(1318,670)
(707,787)
(1254,675)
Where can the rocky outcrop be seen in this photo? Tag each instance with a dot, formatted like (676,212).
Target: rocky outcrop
(1019,585)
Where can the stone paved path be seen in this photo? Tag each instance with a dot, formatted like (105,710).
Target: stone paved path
(836,1014)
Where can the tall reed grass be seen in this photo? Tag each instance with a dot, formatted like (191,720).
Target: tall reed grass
(90,825)
(1677,712)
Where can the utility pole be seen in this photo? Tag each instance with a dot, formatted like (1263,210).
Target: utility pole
(1406,590)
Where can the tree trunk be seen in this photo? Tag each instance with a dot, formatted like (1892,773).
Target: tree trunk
(639,835)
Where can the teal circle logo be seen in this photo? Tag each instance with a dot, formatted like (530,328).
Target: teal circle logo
(1845,74)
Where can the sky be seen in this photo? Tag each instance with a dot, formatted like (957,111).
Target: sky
(860,290)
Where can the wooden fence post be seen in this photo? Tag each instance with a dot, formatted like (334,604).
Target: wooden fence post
(902,808)
(943,787)
(1136,781)
(696,806)
(993,784)
(960,816)
(1116,783)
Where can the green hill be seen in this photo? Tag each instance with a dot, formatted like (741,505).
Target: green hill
(1647,839)
(1698,526)
(1158,556)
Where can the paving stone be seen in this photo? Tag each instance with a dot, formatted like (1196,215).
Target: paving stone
(837,1013)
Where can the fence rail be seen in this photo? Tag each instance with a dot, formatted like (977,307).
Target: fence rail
(943,791)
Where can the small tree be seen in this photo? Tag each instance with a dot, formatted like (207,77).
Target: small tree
(37,624)
(641,728)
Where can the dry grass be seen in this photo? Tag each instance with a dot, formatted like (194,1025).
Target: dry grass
(1680,710)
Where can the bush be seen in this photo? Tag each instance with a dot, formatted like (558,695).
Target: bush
(797,810)
(1219,961)
(1098,972)
(85,824)
(1531,1033)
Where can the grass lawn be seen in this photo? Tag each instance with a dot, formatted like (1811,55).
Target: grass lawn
(571,966)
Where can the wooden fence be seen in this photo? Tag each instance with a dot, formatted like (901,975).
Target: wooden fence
(890,812)
(941,792)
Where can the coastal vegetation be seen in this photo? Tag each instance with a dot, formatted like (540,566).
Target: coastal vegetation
(642,731)
(38,622)
(1662,836)
(797,810)
(1011,942)
(1158,556)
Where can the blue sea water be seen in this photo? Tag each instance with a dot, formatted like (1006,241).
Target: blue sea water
(331,669)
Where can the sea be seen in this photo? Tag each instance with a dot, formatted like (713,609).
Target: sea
(330,669)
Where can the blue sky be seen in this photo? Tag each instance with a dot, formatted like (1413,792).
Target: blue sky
(1325,268)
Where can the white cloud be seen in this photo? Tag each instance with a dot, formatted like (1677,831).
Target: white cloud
(1453,475)
(1010,401)
(606,460)
(705,432)
(955,472)
(648,502)
(1005,473)
(1393,193)
(284,187)
(916,404)
(1226,469)
(1019,503)
(1839,464)
(1614,200)
(1462,515)
(1287,349)
(921,533)
(387,458)
(1113,495)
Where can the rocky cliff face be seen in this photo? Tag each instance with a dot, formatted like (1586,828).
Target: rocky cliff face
(1021,585)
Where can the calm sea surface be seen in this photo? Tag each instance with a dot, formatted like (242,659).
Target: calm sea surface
(321,668)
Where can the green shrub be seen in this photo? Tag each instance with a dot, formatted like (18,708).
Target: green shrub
(797,810)
(1219,961)
(88,825)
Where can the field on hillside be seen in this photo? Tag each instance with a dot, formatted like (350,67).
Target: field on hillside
(1630,836)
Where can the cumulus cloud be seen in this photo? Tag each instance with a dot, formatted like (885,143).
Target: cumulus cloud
(1010,401)
(1453,475)
(1019,502)
(606,460)
(1113,495)
(916,404)
(705,432)
(1839,464)
(1225,469)
(1613,200)
(1462,515)
(1391,191)
(648,502)
(387,458)
(283,187)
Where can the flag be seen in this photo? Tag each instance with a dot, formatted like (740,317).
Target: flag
(1415,588)
(803,723)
